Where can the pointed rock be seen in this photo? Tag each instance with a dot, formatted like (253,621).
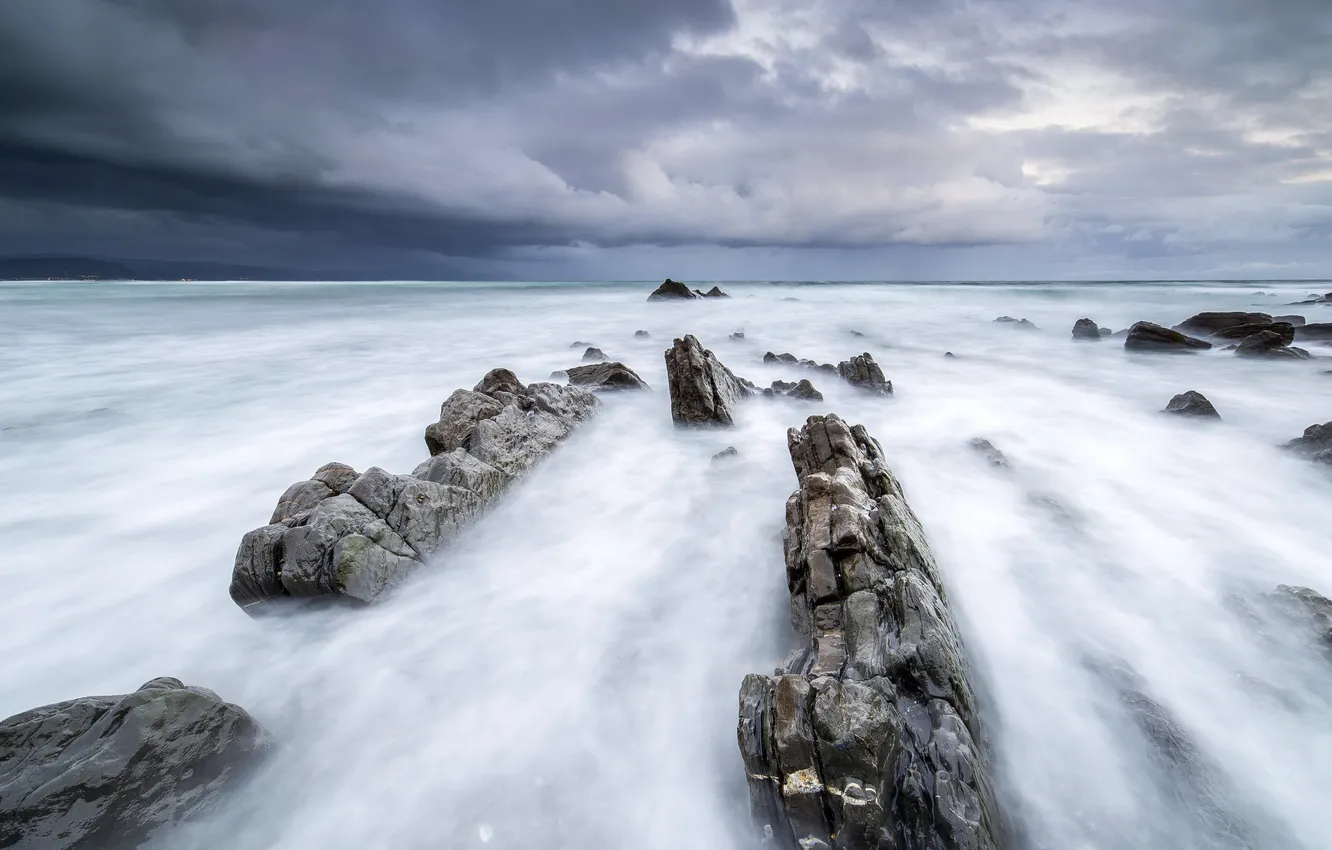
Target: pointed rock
(703,391)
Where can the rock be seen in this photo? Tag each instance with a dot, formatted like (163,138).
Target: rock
(356,542)
(801,390)
(870,731)
(1285,330)
(949,354)
(1192,403)
(703,391)
(1297,321)
(1314,330)
(1308,612)
(789,298)
(1315,444)
(641,334)
(714,292)
(1147,336)
(1269,344)
(863,373)
(738,335)
(580,344)
(1105,332)
(113,772)
(594,355)
(780,358)
(672,289)
(1206,324)
(856,333)
(791,359)
(1086,329)
(992,455)
(606,376)
(726,454)
(1017,323)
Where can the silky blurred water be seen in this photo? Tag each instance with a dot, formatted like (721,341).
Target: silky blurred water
(566,676)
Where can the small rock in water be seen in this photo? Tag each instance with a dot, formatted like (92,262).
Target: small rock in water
(738,335)
(673,289)
(801,390)
(788,298)
(1315,444)
(606,376)
(1270,344)
(726,454)
(949,354)
(594,355)
(992,455)
(1192,403)
(703,391)
(714,292)
(1025,324)
(1149,336)
(863,373)
(1297,321)
(1106,332)
(1086,329)
(856,333)
(641,334)
(580,344)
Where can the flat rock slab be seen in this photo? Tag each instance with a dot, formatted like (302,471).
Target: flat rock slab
(349,537)
(111,772)
(605,377)
(868,736)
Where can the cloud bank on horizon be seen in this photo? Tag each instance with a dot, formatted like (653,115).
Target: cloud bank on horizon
(698,138)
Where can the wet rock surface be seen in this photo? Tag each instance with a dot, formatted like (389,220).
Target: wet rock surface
(600,377)
(112,772)
(1285,330)
(1206,324)
(1148,336)
(1087,330)
(703,391)
(672,289)
(1270,344)
(1192,403)
(1315,443)
(864,374)
(868,736)
(355,542)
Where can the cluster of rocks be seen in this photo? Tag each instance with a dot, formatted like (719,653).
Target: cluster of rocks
(1087,330)
(801,390)
(673,289)
(861,371)
(1251,334)
(1325,298)
(354,537)
(790,359)
(869,735)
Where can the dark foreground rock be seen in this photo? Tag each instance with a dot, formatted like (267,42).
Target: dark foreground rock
(703,391)
(672,289)
(1087,330)
(1148,336)
(1192,403)
(864,374)
(801,390)
(605,376)
(1024,324)
(1315,444)
(111,772)
(354,542)
(1206,324)
(869,735)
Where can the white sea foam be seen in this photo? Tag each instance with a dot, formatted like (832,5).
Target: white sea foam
(566,676)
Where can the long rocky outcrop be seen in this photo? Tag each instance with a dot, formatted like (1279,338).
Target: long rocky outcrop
(703,391)
(112,772)
(869,734)
(354,537)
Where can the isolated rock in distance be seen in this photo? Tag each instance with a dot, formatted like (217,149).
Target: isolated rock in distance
(1192,403)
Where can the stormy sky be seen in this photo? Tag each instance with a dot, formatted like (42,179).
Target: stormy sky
(696,138)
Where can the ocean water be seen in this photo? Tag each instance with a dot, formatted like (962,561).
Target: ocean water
(566,676)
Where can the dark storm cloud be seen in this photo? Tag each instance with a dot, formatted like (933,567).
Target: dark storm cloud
(476,128)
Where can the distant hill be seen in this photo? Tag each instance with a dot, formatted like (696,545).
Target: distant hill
(90,268)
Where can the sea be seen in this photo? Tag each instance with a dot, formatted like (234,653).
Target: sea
(566,675)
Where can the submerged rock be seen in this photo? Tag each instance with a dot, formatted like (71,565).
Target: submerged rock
(787,358)
(1148,336)
(863,373)
(605,376)
(868,736)
(1192,403)
(703,391)
(1086,329)
(714,292)
(641,334)
(801,390)
(1315,444)
(672,289)
(357,543)
(738,335)
(578,343)
(987,450)
(1106,332)
(1206,324)
(1017,323)
(113,772)
(726,454)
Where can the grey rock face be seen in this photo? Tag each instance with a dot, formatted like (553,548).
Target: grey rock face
(992,455)
(703,391)
(605,376)
(641,334)
(1086,329)
(1315,444)
(738,335)
(1024,324)
(1205,324)
(594,355)
(787,358)
(801,390)
(1148,336)
(1285,330)
(714,292)
(868,736)
(111,772)
(1314,330)
(354,538)
(672,289)
(1192,403)
(863,373)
